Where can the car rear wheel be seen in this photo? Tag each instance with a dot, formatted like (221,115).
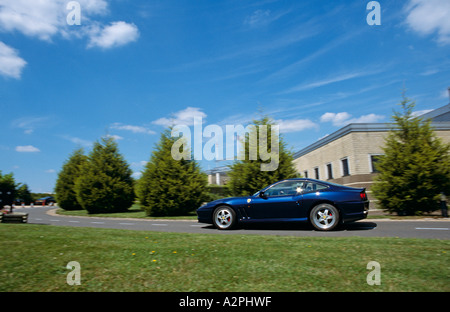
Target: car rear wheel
(324,217)
(224,218)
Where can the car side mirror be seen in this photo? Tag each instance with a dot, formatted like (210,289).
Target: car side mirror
(262,195)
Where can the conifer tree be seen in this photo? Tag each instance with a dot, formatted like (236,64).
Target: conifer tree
(65,184)
(105,183)
(170,187)
(415,167)
(23,193)
(7,189)
(246,175)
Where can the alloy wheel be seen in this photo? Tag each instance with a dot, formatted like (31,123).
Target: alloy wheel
(324,217)
(224,218)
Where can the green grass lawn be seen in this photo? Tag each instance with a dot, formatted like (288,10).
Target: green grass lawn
(34,258)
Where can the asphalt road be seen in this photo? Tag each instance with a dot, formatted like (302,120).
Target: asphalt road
(436,229)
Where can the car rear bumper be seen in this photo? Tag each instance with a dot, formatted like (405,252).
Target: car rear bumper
(355,211)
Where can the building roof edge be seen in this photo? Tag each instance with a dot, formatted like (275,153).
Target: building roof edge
(359,127)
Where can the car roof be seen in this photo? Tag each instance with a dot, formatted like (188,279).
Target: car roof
(315,181)
(306,179)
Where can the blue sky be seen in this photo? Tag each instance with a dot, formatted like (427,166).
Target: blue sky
(132,66)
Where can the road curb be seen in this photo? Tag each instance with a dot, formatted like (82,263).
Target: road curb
(52,212)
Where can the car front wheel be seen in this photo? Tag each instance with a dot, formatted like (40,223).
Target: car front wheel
(324,217)
(224,218)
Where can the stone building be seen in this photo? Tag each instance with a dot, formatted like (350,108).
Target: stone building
(218,175)
(348,155)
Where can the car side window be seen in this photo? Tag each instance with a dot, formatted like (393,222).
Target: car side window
(313,187)
(287,188)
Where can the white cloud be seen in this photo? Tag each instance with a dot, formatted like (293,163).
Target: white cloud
(29,124)
(336,119)
(137,168)
(257,18)
(370,118)
(421,112)
(37,19)
(430,16)
(77,141)
(11,64)
(136,175)
(46,19)
(263,17)
(330,80)
(132,128)
(114,35)
(27,149)
(344,118)
(139,164)
(295,125)
(182,117)
(114,137)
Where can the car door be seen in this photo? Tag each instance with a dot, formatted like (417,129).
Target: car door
(311,193)
(280,201)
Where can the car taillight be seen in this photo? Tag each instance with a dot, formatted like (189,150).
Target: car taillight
(363,195)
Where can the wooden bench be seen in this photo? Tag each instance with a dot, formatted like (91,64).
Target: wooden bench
(9,216)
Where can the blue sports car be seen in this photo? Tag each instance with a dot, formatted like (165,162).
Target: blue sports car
(325,205)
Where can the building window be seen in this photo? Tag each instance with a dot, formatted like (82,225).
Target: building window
(330,171)
(345,168)
(373,162)
(305,173)
(316,172)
